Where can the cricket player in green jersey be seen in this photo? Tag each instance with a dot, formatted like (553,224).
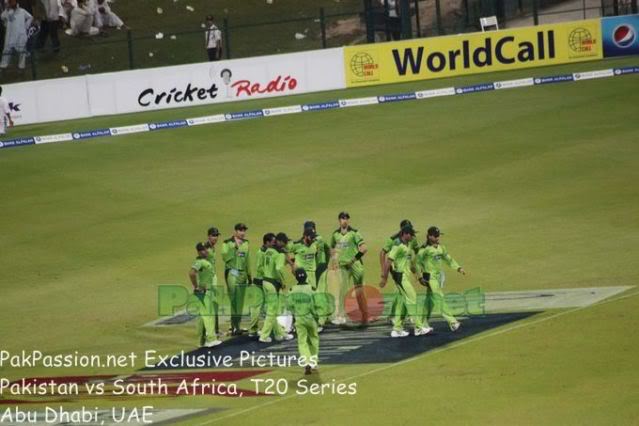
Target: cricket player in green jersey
(301,304)
(274,265)
(237,267)
(268,241)
(391,241)
(201,275)
(402,258)
(324,301)
(214,293)
(348,246)
(429,269)
(304,253)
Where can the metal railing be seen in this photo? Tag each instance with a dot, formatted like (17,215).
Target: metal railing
(128,49)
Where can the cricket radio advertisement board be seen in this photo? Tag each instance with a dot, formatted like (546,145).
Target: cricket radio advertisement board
(474,53)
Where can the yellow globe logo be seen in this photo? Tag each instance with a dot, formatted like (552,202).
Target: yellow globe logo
(580,40)
(362,64)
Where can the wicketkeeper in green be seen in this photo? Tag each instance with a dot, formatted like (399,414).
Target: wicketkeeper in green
(237,267)
(301,302)
(347,244)
(429,270)
(274,265)
(402,258)
(201,275)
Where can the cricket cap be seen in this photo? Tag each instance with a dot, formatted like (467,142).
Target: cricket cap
(309,232)
(213,231)
(343,215)
(300,275)
(241,227)
(404,223)
(435,231)
(309,224)
(200,247)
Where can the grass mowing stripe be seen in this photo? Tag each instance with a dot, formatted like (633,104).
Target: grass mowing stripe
(435,351)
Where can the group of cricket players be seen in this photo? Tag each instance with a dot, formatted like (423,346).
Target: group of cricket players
(309,301)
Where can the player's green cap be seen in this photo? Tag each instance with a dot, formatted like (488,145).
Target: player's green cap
(343,215)
(213,231)
(405,223)
(309,224)
(435,231)
(309,232)
(240,227)
(300,275)
(200,247)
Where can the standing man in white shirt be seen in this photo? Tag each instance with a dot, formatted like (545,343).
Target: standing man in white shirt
(5,113)
(213,38)
(16,20)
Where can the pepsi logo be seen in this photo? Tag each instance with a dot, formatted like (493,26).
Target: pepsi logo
(624,36)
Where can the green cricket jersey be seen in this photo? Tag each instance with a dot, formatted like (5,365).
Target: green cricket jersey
(205,273)
(210,255)
(429,259)
(259,263)
(305,256)
(402,256)
(236,257)
(394,240)
(301,302)
(347,245)
(323,251)
(274,264)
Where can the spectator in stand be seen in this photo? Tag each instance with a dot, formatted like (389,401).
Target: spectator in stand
(104,16)
(16,21)
(213,38)
(66,8)
(50,24)
(393,23)
(82,21)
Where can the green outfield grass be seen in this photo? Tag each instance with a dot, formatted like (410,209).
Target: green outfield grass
(534,187)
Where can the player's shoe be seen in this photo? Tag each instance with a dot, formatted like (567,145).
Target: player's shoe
(423,331)
(338,321)
(320,329)
(284,337)
(265,339)
(454,326)
(399,333)
(212,343)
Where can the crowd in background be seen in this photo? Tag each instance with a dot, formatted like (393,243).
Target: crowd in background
(28,24)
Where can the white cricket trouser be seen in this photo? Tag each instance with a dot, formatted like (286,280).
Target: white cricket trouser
(8,52)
